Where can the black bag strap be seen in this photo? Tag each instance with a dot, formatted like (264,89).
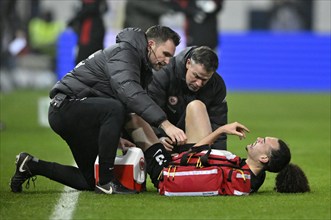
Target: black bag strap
(194,150)
(204,158)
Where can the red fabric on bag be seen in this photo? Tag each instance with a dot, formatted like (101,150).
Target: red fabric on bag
(236,181)
(216,157)
(233,179)
(191,181)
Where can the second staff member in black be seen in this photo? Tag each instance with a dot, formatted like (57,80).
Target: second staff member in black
(190,75)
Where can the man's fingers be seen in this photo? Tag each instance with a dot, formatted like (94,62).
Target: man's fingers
(167,143)
(243,127)
(168,146)
(166,140)
(181,139)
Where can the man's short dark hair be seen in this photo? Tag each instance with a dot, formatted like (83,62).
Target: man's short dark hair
(162,33)
(205,56)
(279,158)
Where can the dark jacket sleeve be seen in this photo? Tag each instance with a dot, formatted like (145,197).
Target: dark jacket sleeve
(157,89)
(124,75)
(217,107)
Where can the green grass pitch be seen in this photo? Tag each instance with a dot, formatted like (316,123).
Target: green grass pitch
(302,119)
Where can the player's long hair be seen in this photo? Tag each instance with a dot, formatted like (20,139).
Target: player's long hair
(290,177)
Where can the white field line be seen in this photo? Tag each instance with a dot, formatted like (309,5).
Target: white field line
(66,205)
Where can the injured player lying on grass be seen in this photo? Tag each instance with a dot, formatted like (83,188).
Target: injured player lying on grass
(265,154)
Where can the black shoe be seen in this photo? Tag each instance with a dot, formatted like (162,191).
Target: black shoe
(22,173)
(114,187)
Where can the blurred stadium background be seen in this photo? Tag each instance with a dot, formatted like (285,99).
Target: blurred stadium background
(253,56)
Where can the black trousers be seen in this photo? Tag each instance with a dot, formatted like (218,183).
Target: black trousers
(91,127)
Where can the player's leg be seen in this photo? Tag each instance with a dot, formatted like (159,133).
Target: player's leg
(156,155)
(197,122)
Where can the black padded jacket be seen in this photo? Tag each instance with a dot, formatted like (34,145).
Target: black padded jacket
(169,90)
(121,71)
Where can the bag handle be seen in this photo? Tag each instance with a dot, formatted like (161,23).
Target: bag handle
(194,150)
(204,158)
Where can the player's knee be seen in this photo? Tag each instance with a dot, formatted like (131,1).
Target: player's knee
(196,105)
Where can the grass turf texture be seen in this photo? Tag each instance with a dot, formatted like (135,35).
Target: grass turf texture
(303,120)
